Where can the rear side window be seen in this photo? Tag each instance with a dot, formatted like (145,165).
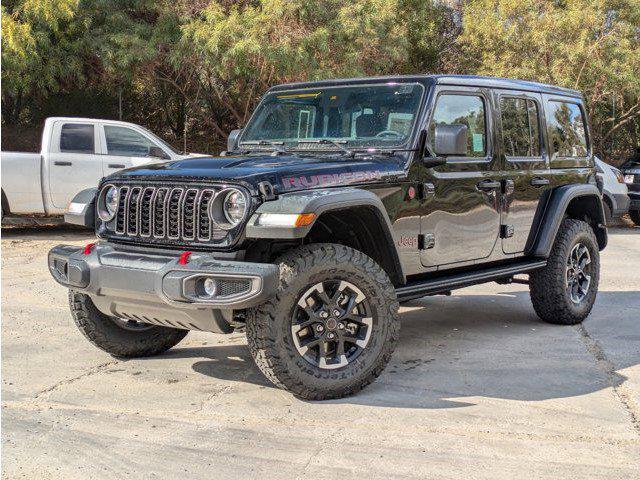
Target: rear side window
(125,141)
(468,110)
(567,130)
(77,138)
(520,127)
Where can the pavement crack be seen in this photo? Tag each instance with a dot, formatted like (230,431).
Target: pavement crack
(67,381)
(615,380)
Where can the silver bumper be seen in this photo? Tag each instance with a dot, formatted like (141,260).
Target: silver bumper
(157,289)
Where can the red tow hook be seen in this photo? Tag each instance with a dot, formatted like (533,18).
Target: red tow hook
(184,258)
(88,247)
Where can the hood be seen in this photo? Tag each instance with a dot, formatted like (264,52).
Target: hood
(284,172)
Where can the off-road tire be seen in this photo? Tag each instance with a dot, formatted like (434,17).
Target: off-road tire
(635,216)
(547,286)
(107,335)
(269,325)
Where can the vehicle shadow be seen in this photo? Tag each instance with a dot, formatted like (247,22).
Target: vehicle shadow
(453,348)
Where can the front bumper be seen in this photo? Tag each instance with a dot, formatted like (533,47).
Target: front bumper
(634,198)
(157,289)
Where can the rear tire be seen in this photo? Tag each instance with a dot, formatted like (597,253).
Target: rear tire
(635,216)
(332,326)
(564,291)
(115,336)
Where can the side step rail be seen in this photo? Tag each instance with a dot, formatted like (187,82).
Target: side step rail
(446,283)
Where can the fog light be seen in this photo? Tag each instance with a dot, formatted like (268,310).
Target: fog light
(209,287)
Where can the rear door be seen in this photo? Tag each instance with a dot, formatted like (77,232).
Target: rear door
(73,162)
(525,163)
(462,214)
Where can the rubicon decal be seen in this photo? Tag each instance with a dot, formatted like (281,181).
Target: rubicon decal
(328,179)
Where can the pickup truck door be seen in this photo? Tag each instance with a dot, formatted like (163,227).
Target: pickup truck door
(125,147)
(72,161)
(460,221)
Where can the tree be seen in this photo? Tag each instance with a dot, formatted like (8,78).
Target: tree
(589,45)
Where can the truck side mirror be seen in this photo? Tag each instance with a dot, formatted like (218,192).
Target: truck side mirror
(155,151)
(450,140)
(233,139)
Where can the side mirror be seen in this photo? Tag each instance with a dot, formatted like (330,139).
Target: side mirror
(155,151)
(233,139)
(450,140)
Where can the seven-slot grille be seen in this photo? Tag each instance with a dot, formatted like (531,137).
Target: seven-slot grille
(173,214)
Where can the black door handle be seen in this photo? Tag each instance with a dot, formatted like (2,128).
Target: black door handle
(116,165)
(488,185)
(539,181)
(63,164)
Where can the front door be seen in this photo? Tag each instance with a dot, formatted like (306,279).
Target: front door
(461,219)
(125,147)
(73,162)
(526,173)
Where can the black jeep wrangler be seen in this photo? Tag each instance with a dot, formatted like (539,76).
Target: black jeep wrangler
(338,201)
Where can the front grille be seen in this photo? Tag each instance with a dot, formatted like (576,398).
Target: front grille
(166,214)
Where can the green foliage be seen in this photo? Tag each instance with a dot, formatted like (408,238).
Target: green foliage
(197,69)
(589,45)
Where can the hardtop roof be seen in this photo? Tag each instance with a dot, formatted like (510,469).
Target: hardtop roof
(455,80)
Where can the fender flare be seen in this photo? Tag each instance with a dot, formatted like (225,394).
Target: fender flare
(82,209)
(556,208)
(319,202)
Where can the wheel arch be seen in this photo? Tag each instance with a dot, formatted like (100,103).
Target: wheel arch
(581,202)
(348,216)
(5,203)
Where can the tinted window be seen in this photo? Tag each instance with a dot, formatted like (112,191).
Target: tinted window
(567,131)
(520,132)
(467,110)
(76,138)
(125,141)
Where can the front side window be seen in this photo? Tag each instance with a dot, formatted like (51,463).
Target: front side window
(77,138)
(127,142)
(455,109)
(357,115)
(567,130)
(520,131)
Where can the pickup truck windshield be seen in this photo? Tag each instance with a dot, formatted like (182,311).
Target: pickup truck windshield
(363,116)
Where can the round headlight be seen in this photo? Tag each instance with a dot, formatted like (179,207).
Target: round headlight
(108,203)
(234,206)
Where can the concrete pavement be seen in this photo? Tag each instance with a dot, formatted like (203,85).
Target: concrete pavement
(478,388)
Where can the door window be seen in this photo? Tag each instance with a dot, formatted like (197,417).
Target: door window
(520,127)
(467,110)
(126,142)
(567,130)
(76,138)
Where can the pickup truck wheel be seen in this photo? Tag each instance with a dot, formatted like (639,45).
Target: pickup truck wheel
(564,291)
(635,216)
(120,337)
(332,326)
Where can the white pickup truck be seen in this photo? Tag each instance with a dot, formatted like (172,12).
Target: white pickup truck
(75,154)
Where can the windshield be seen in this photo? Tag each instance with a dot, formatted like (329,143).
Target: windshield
(356,116)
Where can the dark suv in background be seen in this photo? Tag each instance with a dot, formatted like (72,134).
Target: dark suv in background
(339,200)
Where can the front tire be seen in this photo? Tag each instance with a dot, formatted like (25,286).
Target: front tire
(332,326)
(635,216)
(119,337)
(565,290)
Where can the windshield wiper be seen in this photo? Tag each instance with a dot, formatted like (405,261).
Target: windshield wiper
(276,145)
(326,141)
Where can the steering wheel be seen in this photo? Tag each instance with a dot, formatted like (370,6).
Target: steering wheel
(389,133)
